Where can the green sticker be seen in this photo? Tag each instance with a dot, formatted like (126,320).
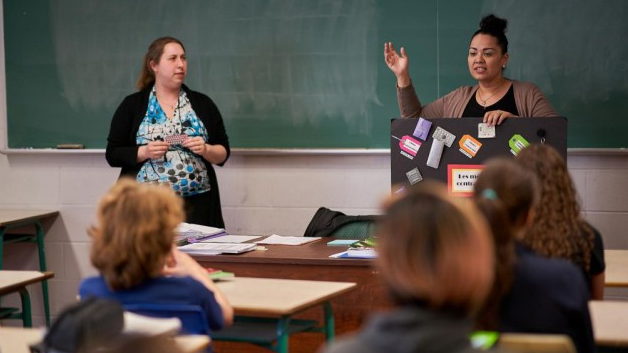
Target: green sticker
(483,340)
(517,143)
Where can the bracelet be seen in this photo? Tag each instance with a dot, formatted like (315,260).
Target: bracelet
(404,87)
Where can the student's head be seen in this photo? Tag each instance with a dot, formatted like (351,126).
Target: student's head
(153,56)
(134,232)
(515,187)
(488,50)
(558,224)
(435,249)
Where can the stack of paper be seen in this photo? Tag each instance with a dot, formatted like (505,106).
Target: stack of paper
(193,233)
(217,248)
(287,240)
(357,253)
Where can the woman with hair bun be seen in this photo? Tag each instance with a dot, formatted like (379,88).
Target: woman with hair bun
(494,98)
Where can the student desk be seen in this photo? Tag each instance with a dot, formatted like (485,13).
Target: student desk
(282,299)
(16,281)
(309,262)
(19,219)
(18,340)
(616,274)
(610,322)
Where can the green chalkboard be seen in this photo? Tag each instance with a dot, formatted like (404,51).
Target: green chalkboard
(308,73)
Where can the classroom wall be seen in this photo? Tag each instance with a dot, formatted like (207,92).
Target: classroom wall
(262,194)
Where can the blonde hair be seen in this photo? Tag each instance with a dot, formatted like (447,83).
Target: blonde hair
(154,53)
(435,249)
(134,232)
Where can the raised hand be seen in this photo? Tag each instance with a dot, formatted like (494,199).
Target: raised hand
(398,64)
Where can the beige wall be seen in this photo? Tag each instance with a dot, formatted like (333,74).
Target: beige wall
(261,195)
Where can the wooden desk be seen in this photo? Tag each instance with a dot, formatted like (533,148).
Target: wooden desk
(17,219)
(282,299)
(18,340)
(610,322)
(616,274)
(16,281)
(309,262)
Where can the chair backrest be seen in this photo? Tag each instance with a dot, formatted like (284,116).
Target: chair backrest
(536,343)
(193,318)
(359,230)
(329,223)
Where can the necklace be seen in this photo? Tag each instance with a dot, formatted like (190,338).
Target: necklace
(489,97)
(169,105)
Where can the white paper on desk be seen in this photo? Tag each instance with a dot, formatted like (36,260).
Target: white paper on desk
(151,326)
(338,255)
(287,240)
(205,248)
(231,239)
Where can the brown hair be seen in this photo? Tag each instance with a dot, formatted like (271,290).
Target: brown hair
(506,194)
(424,250)
(134,232)
(505,258)
(515,187)
(558,224)
(155,50)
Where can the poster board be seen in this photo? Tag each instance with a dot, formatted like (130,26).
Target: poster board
(409,154)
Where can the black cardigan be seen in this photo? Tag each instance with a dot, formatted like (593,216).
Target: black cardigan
(122,147)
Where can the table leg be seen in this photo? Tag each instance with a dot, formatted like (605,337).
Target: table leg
(282,334)
(26,308)
(329,321)
(42,268)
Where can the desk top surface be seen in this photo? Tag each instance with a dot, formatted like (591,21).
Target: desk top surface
(276,297)
(616,273)
(313,253)
(17,340)
(12,281)
(10,216)
(610,322)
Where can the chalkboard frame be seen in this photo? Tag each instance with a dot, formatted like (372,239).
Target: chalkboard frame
(593,126)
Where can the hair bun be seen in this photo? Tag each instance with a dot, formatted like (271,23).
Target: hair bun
(493,24)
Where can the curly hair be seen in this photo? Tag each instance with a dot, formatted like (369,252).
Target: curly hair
(558,227)
(135,232)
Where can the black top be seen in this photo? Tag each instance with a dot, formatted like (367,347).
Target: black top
(548,296)
(122,147)
(507,103)
(408,329)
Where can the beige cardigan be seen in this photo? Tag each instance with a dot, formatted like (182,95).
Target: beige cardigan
(529,99)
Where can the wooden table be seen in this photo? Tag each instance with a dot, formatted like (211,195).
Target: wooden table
(610,322)
(309,262)
(18,219)
(16,281)
(616,274)
(282,299)
(18,340)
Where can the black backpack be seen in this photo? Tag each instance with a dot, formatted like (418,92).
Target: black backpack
(328,223)
(83,327)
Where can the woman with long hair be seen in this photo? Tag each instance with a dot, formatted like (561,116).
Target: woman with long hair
(559,230)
